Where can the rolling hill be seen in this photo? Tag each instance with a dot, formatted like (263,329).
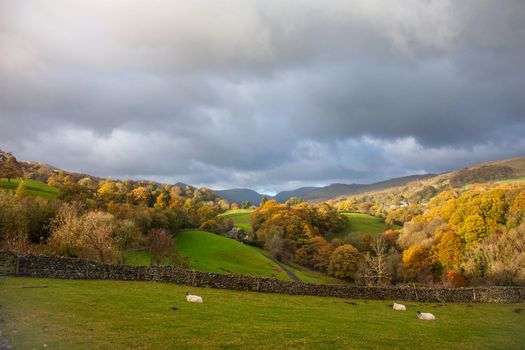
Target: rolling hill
(360,224)
(210,252)
(213,253)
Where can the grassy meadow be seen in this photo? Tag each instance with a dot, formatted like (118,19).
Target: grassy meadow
(87,314)
(34,187)
(213,253)
(240,217)
(360,224)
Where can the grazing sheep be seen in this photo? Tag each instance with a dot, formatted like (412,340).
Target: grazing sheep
(425,316)
(193,298)
(399,307)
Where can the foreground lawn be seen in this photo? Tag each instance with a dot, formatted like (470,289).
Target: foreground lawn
(34,188)
(240,217)
(84,314)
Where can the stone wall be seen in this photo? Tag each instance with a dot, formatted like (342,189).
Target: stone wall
(71,268)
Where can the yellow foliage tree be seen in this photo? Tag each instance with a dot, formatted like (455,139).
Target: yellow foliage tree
(344,262)
(449,249)
(473,229)
(141,196)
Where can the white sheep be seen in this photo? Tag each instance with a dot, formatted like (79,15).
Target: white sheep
(399,307)
(193,298)
(425,316)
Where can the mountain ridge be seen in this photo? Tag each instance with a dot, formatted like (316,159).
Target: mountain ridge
(321,193)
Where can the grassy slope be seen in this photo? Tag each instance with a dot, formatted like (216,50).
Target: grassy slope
(210,252)
(359,224)
(240,217)
(83,314)
(34,188)
(213,253)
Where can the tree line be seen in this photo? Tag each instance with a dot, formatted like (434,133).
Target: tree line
(101,219)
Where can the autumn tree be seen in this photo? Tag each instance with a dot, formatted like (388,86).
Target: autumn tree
(455,279)
(66,230)
(418,263)
(162,248)
(141,196)
(12,218)
(344,262)
(375,267)
(162,200)
(10,168)
(108,190)
(93,235)
(96,240)
(449,249)
(473,230)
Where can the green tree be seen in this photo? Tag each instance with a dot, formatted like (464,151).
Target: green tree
(263,200)
(245,205)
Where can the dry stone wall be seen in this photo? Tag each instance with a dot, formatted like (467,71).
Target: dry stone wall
(71,268)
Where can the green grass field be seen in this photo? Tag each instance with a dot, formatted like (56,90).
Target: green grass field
(34,188)
(210,252)
(87,314)
(213,253)
(360,224)
(240,217)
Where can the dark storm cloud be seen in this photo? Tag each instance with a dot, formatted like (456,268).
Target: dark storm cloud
(266,94)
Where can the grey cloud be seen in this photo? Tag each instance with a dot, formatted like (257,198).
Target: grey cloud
(264,94)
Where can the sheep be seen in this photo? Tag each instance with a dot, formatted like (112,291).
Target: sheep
(425,316)
(399,307)
(193,298)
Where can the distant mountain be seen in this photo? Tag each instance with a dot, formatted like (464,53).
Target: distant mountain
(239,195)
(317,193)
(285,195)
(337,190)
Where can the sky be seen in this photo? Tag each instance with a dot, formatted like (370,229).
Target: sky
(268,95)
